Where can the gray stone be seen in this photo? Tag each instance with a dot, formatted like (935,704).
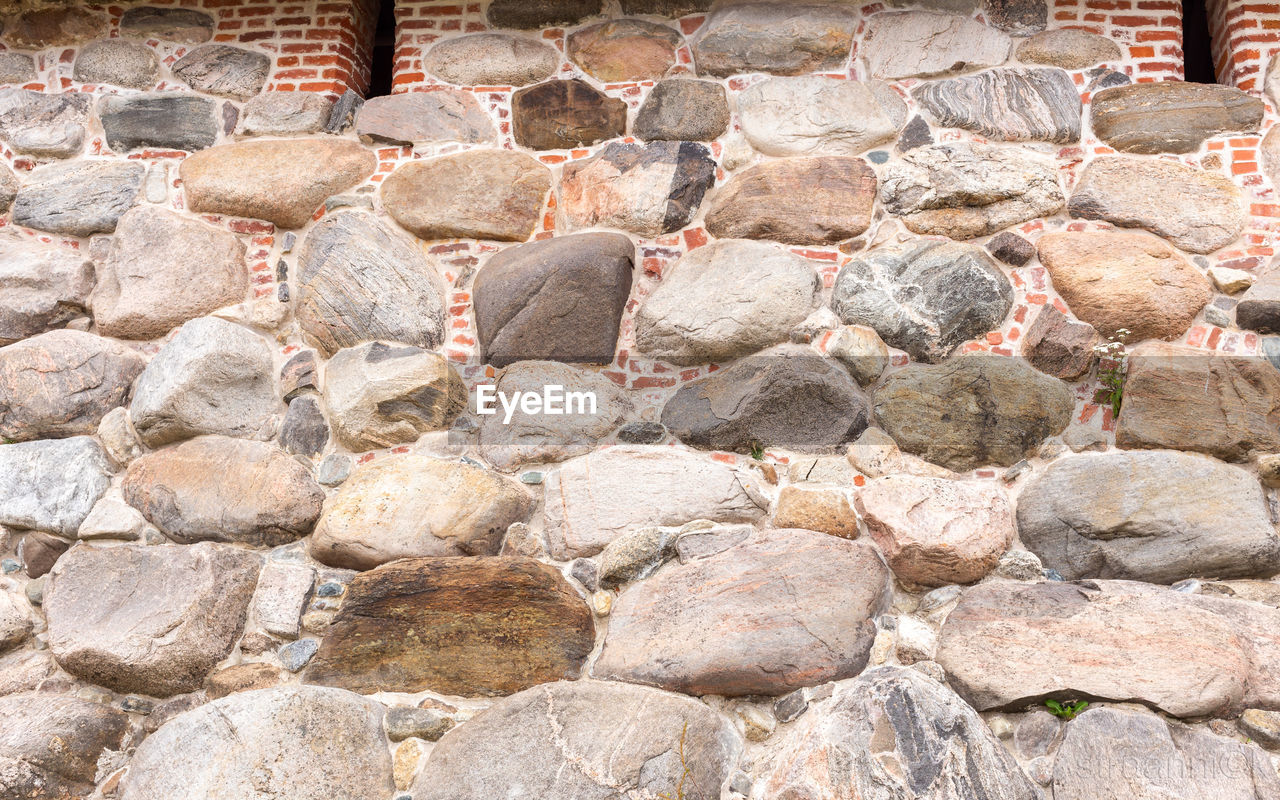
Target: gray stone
(170,24)
(819,116)
(780,38)
(307,742)
(51,485)
(1011,249)
(335,469)
(296,655)
(143,292)
(1261,726)
(404,722)
(803,201)
(15,620)
(1058,346)
(534,14)
(117,62)
(1013,105)
(1152,516)
(924,44)
(223,70)
(1068,48)
(478,194)
(1196,210)
(584,739)
(963,190)
(62,383)
(1259,307)
(441,508)
(48,125)
(923,296)
(681,109)
(972,410)
(559,299)
(214,488)
(1122,753)
(41,287)
(152,620)
(284,114)
(915,134)
(360,281)
(1019,17)
(790,398)
(894,734)
(50,744)
(213,376)
(491,59)
(445,115)
(17,68)
(304,430)
(712,627)
(158,119)
(592,500)
(648,189)
(380,394)
(78,198)
(725,300)
(9,184)
(1171,116)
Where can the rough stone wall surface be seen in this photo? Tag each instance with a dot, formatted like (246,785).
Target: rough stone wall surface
(855,502)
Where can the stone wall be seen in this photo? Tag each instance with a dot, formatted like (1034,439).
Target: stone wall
(854,502)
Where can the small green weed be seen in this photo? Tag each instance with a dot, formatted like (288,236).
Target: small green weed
(1113,362)
(1068,710)
(757,451)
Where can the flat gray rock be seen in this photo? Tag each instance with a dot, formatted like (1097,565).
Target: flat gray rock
(17,68)
(170,24)
(51,485)
(581,739)
(47,125)
(814,115)
(224,70)
(492,59)
(307,742)
(158,119)
(284,114)
(78,198)
(1013,104)
(925,44)
(779,38)
(681,109)
(923,296)
(117,62)
(41,287)
(445,115)
(1068,48)
(1158,516)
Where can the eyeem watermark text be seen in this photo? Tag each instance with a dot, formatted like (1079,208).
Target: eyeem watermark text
(553,400)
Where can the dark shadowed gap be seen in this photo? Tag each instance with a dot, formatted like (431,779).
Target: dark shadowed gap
(1196,42)
(384,50)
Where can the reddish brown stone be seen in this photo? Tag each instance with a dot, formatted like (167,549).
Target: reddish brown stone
(1057,346)
(460,626)
(796,201)
(624,50)
(241,678)
(557,115)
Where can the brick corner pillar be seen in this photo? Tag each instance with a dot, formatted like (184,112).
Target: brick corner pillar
(1149,32)
(1246,33)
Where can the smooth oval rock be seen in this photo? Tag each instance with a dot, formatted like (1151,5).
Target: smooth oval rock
(789,398)
(456,626)
(796,201)
(143,291)
(1012,104)
(213,376)
(725,300)
(1132,281)
(41,287)
(50,744)
(116,62)
(562,114)
(51,485)
(592,500)
(444,115)
(307,742)
(923,296)
(275,180)
(894,734)
(1196,210)
(185,25)
(359,281)
(380,394)
(62,383)
(924,44)
(963,190)
(1068,48)
(779,38)
(479,194)
(934,531)
(682,110)
(283,113)
(158,119)
(224,70)
(1157,516)
(972,410)
(213,488)
(407,506)
(584,739)
(710,627)
(491,59)
(647,189)
(558,299)
(1171,116)
(78,198)
(624,50)
(819,116)
(150,620)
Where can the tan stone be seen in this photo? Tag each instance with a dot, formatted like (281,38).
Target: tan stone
(796,201)
(624,50)
(815,508)
(241,678)
(1135,281)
